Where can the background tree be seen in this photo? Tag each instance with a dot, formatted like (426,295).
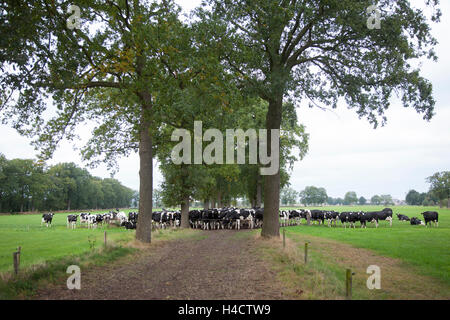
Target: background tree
(289,196)
(386,199)
(350,198)
(362,201)
(440,186)
(313,196)
(320,51)
(376,200)
(413,198)
(28,185)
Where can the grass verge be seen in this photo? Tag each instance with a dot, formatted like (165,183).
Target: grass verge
(323,277)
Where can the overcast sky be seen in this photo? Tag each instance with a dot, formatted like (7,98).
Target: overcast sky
(346,153)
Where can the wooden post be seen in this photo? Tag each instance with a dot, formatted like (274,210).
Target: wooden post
(349,284)
(284,238)
(306,252)
(19,249)
(105,240)
(16,263)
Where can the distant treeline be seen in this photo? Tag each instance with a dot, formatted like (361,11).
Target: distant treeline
(29,185)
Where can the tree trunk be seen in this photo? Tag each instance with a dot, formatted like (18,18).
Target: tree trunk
(144,225)
(205,204)
(271,224)
(259,192)
(185,213)
(219,199)
(448,203)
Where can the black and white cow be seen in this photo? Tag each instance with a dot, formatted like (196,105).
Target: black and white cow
(130,225)
(386,214)
(133,216)
(331,217)
(284,218)
(84,218)
(47,219)
(295,217)
(72,221)
(246,217)
(416,221)
(259,215)
(431,216)
(376,216)
(318,216)
(195,218)
(343,216)
(402,217)
(122,218)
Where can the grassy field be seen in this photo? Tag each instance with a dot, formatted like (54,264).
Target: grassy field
(427,249)
(42,244)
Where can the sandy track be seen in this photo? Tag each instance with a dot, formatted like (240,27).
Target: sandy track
(222,265)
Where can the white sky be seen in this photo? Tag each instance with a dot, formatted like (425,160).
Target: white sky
(346,154)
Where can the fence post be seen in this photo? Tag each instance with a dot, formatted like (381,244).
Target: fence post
(306,252)
(284,238)
(16,263)
(105,240)
(19,249)
(349,284)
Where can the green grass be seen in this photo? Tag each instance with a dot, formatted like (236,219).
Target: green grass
(42,244)
(46,252)
(427,249)
(28,281)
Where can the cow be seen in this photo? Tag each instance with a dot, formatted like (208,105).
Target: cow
(156,219)
(365,217)
(353,217)
(259,215)
(431,216)
(195,218)
(47,219)
(386,214)
(84,218)
(92,221)
(99,219)
(402,217)
(72,221)
(318,215)
(349,218)
(416,221)
(246,218)
(343,216)
(295,216)
(284,218)
(133,216)
(331,217)
(122,217)
(130,225)
(375,216)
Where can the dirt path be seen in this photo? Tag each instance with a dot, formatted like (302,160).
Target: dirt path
(221,265)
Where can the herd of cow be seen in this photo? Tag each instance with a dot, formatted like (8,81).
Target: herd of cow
(234,218)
